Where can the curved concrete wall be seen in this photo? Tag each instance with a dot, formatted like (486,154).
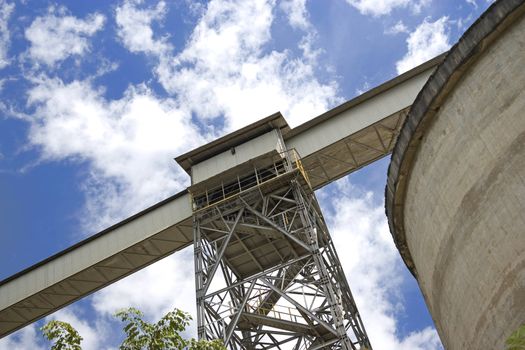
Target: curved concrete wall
(456,205)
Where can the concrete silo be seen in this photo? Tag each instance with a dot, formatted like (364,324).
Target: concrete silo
(455,197)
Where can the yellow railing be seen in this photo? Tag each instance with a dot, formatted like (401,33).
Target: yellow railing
(297,160)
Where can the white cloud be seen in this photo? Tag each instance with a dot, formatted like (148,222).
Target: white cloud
(6,10)
(372,265)
(462,23)
(134,27)
(28,338)
(164,285)
(296,12)
(378,8)
(129,143)
(427,41)
(56,36)
(397,28)
(473,3)
(224,70)
(364,88)
(417,6)
(93,336)
(426,339)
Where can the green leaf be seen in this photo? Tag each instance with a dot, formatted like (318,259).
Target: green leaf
(516,341)
(62,334)
(140,335)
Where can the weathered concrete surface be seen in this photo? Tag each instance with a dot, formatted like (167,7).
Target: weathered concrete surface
(460,206)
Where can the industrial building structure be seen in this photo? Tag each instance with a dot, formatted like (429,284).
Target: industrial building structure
(259,236)
(455,200)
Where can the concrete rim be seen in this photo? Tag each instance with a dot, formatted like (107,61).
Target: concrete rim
(474,42)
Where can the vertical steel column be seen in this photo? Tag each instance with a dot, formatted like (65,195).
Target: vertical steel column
(336,307)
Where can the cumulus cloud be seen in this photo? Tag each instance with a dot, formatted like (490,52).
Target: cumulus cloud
(93,335)
(473,3)
(428,40)
(224,71)
(296,13)
(129,143)
(397,28)
(372,265)
(134,27)
(25,339)
(57,36)
(220,81)
(378,8)
(6,10)
(165,285)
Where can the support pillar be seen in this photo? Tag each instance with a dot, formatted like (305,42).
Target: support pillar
(266,271)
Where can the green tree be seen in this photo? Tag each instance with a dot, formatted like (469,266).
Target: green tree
(215,344)
(140,335)
(165,334)
(516,341)
(65,336)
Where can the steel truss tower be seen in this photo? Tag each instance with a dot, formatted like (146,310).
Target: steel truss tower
(267,273)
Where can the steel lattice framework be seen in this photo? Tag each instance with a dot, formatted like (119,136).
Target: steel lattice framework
(267,273)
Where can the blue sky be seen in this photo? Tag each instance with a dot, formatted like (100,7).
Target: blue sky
(98,97)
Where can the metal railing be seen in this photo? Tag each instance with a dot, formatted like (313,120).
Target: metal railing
(280,164)
(279,312)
